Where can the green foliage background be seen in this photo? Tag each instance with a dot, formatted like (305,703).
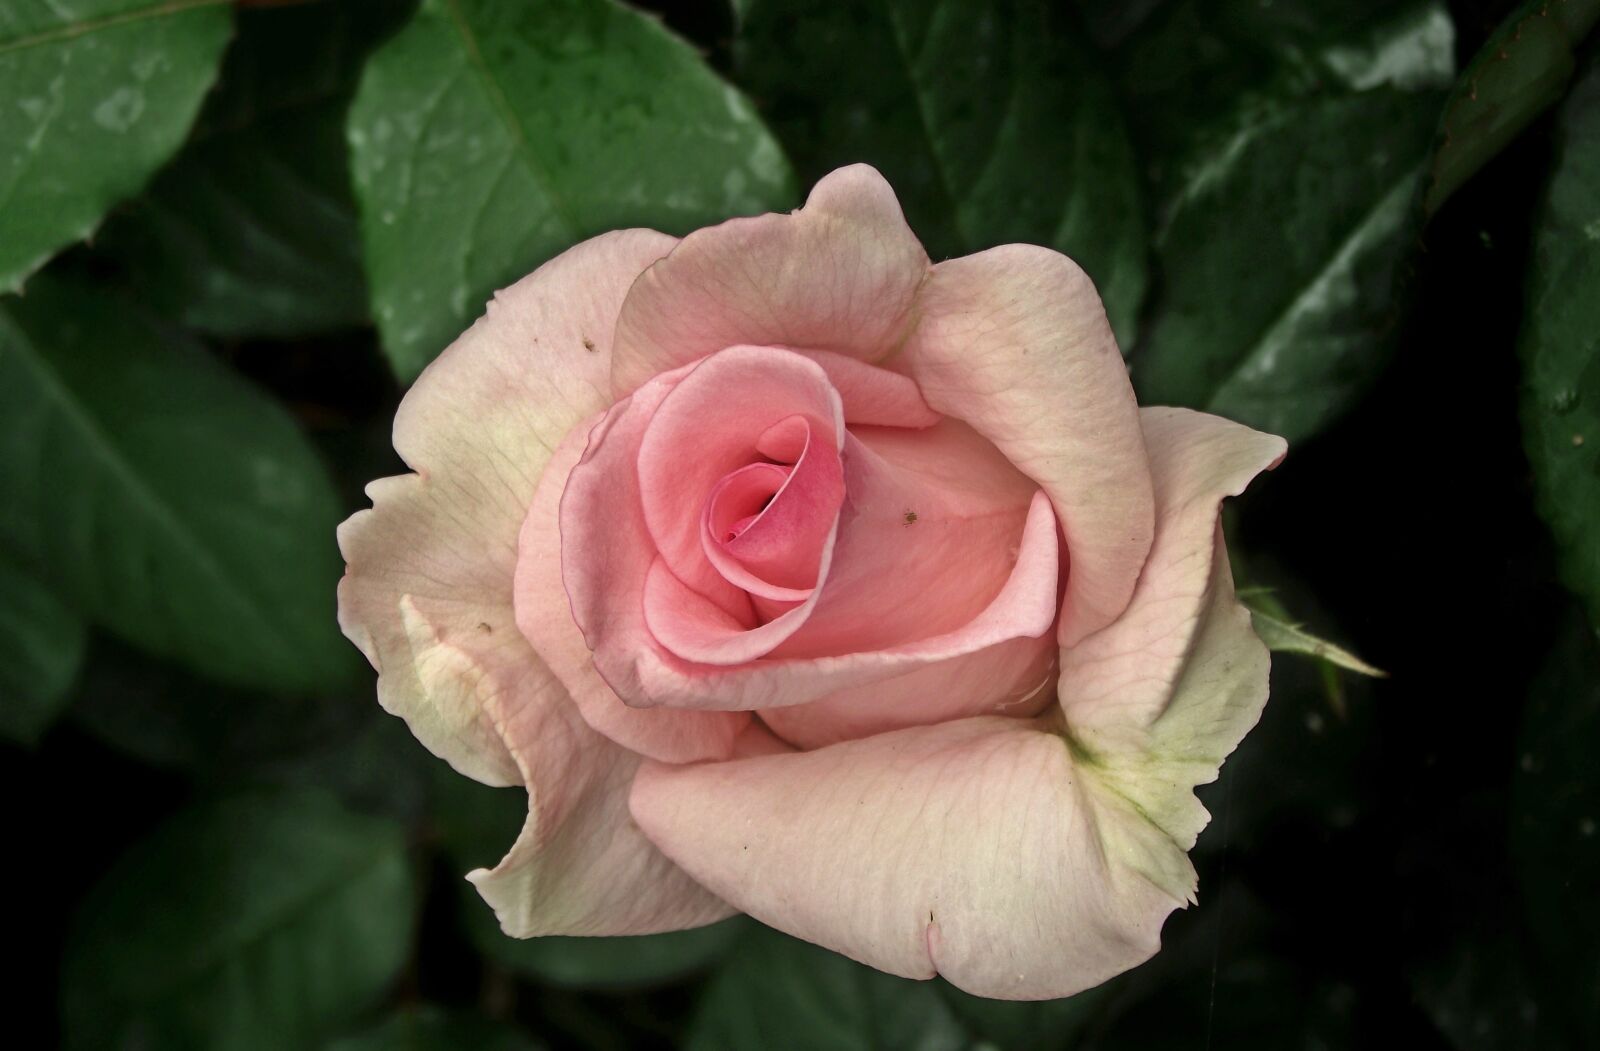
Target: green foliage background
(230,234)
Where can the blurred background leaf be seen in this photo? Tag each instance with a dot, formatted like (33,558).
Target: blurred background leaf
(775,987)
(98,94)
(992,120)
(255,921)
(41,648)
(251,231)
(1555,829)
(488,135)
(1560,343)
(433,1029)
(163,496)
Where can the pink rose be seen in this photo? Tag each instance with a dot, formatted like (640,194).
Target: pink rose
(793,575)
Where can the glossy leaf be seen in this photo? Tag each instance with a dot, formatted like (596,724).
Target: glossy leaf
(1560,345)
(993,121)
(478,825)
(1195,73)
(1519,71)
(252,230)
(259,921)
(489,135)
(429,1028)
(41,647)
(777,991)
(97,95)
(162,495)
(1280,262)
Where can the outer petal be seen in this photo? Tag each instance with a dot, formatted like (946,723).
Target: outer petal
(1015,341)
(477,427)
(970,848)
(544,615)
(840,275)
(580,865)
(1116,682)
(1157,700)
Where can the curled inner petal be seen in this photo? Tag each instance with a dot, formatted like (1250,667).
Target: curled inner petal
(741,406)
(765,525)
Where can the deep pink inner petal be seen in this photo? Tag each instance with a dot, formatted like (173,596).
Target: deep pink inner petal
(741,497)
(766,524)
(740,407)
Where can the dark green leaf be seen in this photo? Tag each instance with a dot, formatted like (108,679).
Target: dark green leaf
(489,135)
(429,1028)
(1026,1025)
(260,921)
(226,738)
(617,963)
(993,121)
(1195,72)
(478,825)
(1521,69)
(252,230)
(1560,345)
(41,647)
(97,95)
(163,496)
(1280,261)
(776,991)
(1555,825)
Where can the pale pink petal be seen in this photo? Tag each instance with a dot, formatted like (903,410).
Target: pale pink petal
(713,422)
(839,275)
(690,626)
(973,849)
(544,615)
(1024,608)
(1015,678)
(580,864)
(478,427)
(873,396)
(1019,859)
(1117,681)
(928,536)
(1015,342)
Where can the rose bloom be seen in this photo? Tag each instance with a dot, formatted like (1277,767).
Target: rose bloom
(794,575)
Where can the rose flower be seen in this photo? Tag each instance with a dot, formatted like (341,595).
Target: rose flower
(794,575)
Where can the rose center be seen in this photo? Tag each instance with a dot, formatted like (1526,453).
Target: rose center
(765,525)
